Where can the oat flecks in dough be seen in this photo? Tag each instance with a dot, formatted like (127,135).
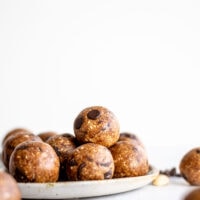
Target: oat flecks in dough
(34,162)
(90,162)
(97,124)
(190,166)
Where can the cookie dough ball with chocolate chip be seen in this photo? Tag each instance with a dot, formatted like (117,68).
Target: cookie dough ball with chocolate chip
(14,140)
(190,166)
(9,189)
(90,162)
(34,162)
(63,145)
(129,159)
(97,124)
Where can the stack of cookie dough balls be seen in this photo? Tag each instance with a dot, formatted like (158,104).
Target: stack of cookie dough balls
(96,150)
(98,129)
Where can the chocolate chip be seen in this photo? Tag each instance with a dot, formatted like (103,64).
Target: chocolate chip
(78,123)
(20,176)
(93,114)
(81,166)
(106,164)
(72,162)
(108,174)
(89,158)
(171,172)
(57,151)
(198,150)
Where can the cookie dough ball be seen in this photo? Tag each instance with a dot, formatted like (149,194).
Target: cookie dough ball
(131,137)
(46,135)
(15,131)
(193,195)
(63,145)
(90,162)
(13,141)
(34,162)
(129,159)
(98,125)
(9,189)
(190,166)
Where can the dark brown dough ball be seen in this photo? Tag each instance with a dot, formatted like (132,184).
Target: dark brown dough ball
(90,162)
(129,159)
(14,140)
(63,145)
(9,189)
(98,125)
(127,136)
(34,162)
(15,132)
(190,166)
(193,195)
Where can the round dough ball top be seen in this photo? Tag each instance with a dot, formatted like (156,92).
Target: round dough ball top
(97,124)
(46,135)
(131,137)
(13,132)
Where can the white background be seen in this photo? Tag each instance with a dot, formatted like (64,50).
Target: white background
(140,59)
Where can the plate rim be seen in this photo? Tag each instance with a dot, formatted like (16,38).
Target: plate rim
(57,187)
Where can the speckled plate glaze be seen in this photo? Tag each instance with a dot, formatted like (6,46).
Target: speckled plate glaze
(80,189)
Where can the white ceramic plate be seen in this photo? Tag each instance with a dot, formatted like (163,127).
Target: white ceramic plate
(80,189)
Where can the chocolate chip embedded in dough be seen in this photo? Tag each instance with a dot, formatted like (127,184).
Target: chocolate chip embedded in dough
(93,162)
(78,122)
(81,166)
(93,114)
(108,175)
(198,150)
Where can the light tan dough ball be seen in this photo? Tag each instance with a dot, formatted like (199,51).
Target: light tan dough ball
(190,166)
(97,124)
(90,162)
(9,189)
(129,159)
(34,162)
